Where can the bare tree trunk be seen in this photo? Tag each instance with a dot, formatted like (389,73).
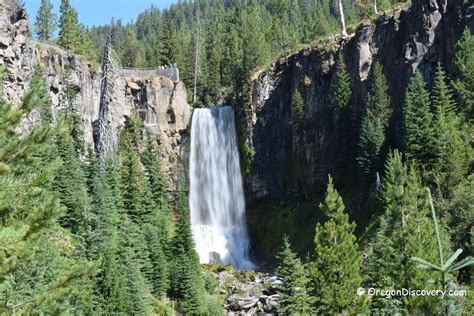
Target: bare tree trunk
(341,16)
(375,7)
(196,59)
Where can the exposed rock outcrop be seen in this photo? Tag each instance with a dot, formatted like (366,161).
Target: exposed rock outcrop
(249,293)
(403,41)
(160,102)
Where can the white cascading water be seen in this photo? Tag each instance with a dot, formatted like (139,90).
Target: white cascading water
(216,197)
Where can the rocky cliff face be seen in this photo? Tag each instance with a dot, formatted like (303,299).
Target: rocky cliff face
(160,102)
(403,41)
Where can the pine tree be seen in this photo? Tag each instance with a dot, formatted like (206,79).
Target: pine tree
(280,25)
(419,134)
(337,263)
(46,22)
(183,237)
(132,260)
(345,151)
(343,85)
(156,178)
(323,26)
(132,52)
(371,140)
(294,290)
(158,225)
(137,200)
(37,96)
(136,195)
(38,269)
(70,183)
(374,124)
(451,149)
(444,268)
(158,274)
(403,233)
(106,238)
(297,115)
(214,49)
(465,65)
(69,30)
(378,104)
(186,282)
(110,280)
(168,56)
(74,36)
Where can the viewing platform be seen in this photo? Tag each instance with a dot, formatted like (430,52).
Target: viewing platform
(171,72)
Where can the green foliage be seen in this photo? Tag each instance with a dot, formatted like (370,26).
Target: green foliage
(371,140)
(70,183)
(461,210)
(294,289)
(378,104)
(444,267)
(343,85)
(322,24)
(38,267)
(186,281)
(132,263)
(72,34)
(374,124)
(235,37)
(38,96)
(451,148)
(132,53)
(157,180)
(403,233)
(46,22)
(113,253)
(337,263)
(345,143)
(297,115)
(168,40)
(464,85)
(69,30)
(419,134)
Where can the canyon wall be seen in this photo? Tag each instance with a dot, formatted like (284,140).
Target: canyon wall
(160,101)
(403,41)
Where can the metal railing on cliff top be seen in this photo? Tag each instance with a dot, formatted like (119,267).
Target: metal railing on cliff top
(171,71)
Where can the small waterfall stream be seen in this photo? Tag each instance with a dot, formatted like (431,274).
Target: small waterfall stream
(216,197)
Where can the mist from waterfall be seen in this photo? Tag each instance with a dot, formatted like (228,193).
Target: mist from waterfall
(216,197)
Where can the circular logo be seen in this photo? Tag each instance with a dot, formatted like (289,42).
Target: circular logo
(360,291)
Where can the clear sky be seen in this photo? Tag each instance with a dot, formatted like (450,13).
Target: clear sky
(99,12)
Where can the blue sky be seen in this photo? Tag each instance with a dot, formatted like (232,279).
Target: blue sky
(99,12)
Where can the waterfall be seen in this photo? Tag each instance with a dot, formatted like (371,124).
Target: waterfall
(216,197)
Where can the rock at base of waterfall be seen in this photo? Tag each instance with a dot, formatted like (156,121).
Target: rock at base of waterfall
(248,293)
(215,257)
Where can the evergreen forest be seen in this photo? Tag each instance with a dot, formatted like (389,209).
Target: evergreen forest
(85,235)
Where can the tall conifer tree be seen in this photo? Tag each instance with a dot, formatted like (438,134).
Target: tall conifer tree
(419,134)
(337,263)
(69,30)
(465,65)
(451,149)
(403,232)
(374,124)
(295,292)
(46,21)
